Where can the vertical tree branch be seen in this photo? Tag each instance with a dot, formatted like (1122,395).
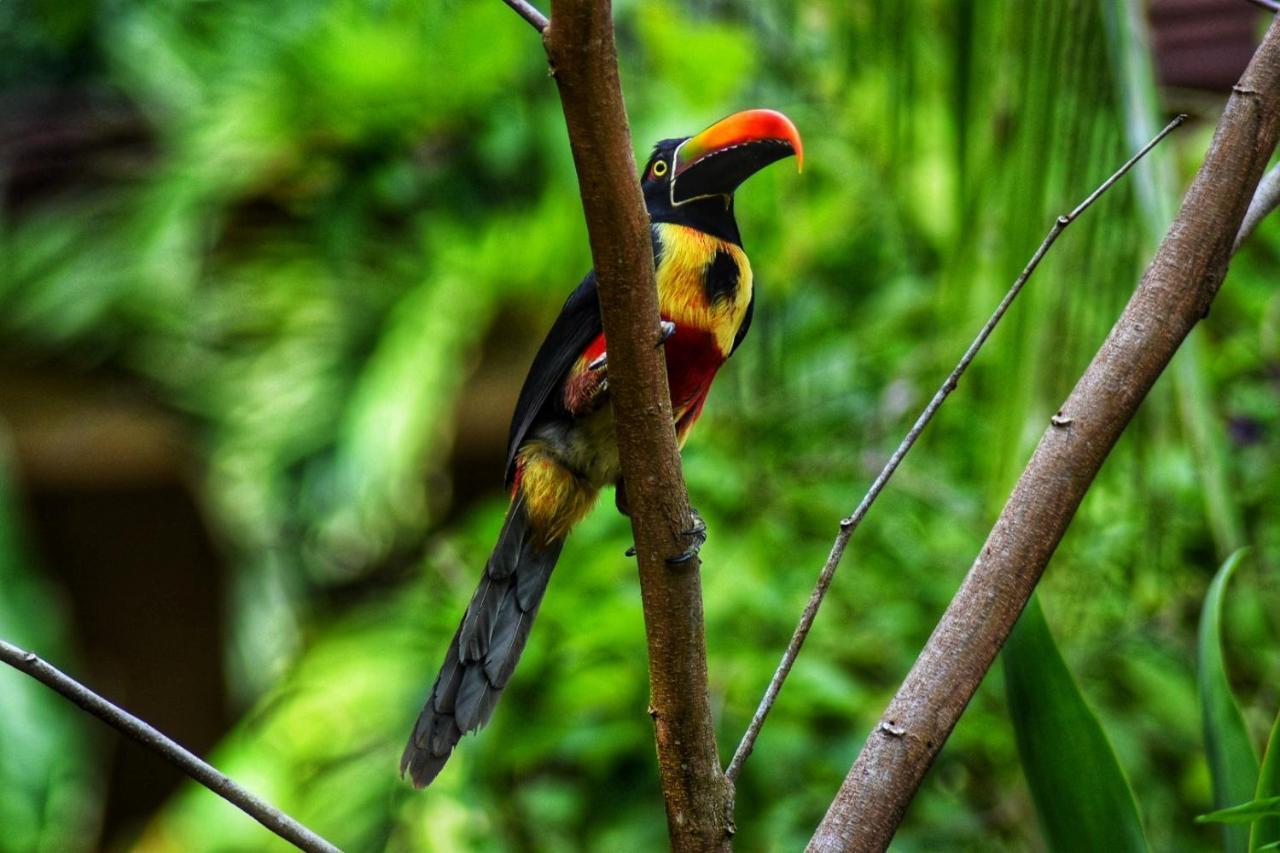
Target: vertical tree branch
(222,785)
(580,47)
(1174,294)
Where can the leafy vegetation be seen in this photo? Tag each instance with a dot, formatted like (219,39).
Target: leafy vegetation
(331,253)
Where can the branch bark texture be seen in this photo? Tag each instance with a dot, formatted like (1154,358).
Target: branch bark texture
(1174,294)
(699,799)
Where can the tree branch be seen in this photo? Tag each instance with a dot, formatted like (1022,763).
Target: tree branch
(1174,294)
(260,810)
(850,524)
(580,47)
(1269,5)
(525,10)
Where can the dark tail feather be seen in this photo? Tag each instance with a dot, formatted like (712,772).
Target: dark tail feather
(486,648)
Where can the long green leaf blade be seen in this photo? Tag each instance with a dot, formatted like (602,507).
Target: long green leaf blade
(1267,832)
(1080,792)
(1243,813)
(1233,764)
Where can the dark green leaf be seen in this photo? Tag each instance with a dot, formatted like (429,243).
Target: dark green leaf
(1243,813)
(1266,833)
(1080,792)
(1232,760)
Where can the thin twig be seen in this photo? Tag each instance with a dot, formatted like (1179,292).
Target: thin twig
(1265,200)
(526,10)
(1270,5)
(850,524)
(261,811)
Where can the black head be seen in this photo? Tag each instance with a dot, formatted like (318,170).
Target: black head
(691,181)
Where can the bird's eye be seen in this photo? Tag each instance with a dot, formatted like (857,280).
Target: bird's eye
(659,168)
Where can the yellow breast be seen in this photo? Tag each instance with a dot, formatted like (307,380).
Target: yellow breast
(687,256)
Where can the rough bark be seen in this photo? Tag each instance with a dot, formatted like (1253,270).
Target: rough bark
(1174,294)
(699,799)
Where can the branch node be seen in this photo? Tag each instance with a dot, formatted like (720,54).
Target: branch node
(892,729)
(1061,420)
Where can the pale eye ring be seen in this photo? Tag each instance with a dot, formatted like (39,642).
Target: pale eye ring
(659,168)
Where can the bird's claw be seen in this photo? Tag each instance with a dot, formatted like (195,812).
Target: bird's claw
(666,329)
(697,533)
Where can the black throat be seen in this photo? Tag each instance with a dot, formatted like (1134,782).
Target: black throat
(712,215)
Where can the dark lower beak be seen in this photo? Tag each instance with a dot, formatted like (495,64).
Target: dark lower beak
(720,158)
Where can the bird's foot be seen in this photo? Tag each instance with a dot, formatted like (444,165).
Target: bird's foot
(697,533)
(666,329)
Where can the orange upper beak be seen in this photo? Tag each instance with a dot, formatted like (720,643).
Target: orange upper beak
(717,160)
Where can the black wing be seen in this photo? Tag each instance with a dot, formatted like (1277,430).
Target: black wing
(575,328)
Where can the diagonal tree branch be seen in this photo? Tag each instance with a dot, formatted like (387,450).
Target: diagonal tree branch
(1174,294)
(527,11)
(699,799)
(850,524)
(258,809)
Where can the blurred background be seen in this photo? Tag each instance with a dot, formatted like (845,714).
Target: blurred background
(270,278)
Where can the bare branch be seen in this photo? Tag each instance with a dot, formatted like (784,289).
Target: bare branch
(526,10)
(260,810)
(1174,294)
(1265,200)
(699,799)
(850,524)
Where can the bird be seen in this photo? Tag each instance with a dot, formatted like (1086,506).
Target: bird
(561,449)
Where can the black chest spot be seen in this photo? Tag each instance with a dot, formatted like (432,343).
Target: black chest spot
(722,278)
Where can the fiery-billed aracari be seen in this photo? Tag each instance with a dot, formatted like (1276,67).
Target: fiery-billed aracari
(561,449)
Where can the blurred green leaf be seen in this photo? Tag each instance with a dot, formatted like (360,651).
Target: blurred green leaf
(1244,813)
(1082,798)
(1233,762)
(1266,833)
(46,762)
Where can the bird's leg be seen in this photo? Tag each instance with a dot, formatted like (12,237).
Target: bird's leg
(666,329)
(620,498)
(697,532)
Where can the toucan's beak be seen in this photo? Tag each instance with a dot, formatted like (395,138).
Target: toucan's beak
(718,160)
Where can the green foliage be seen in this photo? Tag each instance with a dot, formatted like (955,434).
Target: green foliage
(49,802)
(1232,758)
(1244,813)
(1061,744)
(1266,833)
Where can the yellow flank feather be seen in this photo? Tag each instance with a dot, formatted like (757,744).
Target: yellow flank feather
(555,498)
(686,256)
